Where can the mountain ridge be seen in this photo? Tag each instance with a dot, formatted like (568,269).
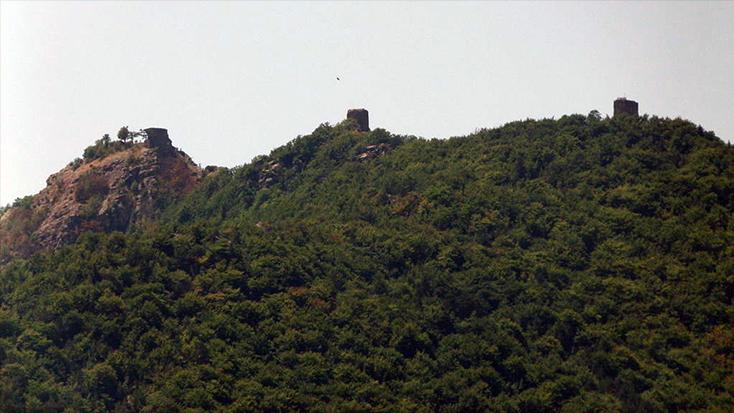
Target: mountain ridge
(569,265)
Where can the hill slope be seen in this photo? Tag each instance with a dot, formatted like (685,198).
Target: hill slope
(114,187)
(580,264)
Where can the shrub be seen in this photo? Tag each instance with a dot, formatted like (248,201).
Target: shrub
(90,184)
(101,148)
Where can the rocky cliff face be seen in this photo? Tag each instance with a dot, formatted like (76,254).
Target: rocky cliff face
(125,188)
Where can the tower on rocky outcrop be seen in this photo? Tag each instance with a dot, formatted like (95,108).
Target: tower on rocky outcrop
(622,106)
(362,117)
(158,138)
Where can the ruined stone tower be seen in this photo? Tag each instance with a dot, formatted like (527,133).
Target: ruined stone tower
(622,106)
(362,117)
(158,138)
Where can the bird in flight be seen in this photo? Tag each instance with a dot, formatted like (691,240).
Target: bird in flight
(338,78)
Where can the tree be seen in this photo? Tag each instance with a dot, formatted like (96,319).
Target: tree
(124,134)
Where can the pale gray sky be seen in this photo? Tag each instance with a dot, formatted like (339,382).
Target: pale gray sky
(234,80)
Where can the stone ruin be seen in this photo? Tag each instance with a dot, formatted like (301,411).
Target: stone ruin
(362,117)
(157,138)
(622,106)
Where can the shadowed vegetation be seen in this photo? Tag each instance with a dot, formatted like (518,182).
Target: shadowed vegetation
(572,265)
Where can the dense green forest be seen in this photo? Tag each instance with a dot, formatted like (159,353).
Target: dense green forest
(583,264)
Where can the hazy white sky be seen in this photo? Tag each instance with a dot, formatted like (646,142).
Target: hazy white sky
(234,80)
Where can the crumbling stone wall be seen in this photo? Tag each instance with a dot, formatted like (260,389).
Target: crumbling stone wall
(622,106)
(362,117)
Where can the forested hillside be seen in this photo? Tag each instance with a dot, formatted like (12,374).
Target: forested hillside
(572,265)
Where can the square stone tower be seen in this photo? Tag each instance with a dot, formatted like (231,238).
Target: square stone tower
(158,139)
(622,106)
(362,117)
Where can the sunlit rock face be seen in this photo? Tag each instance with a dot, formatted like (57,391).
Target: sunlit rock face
(107,194)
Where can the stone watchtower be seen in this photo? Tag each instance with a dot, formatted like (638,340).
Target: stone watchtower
(362,117)
(622,106)
(158,138)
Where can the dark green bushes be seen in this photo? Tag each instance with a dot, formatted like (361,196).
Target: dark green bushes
(582,264)
(103,147)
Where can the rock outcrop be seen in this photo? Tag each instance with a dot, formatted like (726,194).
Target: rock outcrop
(373,151)
(112,193)
(270,175)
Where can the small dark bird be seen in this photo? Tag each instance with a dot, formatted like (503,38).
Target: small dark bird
(338,78)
